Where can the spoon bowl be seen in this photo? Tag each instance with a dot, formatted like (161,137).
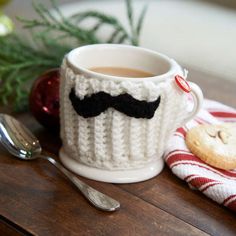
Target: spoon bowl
(21,143)
(17,139)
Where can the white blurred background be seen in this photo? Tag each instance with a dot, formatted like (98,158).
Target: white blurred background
(198,34)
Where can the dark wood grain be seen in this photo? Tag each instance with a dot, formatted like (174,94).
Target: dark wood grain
(173,195)
(7,228)
(37,189)
(37,199)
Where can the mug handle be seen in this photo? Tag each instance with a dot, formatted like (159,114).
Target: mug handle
(197,95)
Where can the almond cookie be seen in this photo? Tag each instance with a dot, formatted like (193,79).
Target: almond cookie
(214,144)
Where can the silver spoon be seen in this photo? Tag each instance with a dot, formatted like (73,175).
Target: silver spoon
(20,142)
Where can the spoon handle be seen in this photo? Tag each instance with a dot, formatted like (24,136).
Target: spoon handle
(98,199)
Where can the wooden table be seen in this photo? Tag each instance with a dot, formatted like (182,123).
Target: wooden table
(36,199)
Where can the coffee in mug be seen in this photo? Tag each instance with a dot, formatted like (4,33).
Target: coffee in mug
(121,72)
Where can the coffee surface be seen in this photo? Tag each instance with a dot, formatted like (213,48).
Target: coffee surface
(121,72)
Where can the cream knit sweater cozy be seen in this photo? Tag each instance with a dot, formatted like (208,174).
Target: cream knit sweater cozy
(113,140)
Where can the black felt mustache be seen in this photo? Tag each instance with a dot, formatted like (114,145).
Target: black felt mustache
(93,105)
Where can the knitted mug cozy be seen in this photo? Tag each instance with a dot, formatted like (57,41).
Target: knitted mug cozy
(113,140)
(116,129)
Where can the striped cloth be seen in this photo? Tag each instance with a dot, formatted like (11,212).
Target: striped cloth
(217,184)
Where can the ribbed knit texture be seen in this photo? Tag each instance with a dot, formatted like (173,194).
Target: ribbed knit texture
(114,140)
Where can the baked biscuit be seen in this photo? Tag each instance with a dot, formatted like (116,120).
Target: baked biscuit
(214,144)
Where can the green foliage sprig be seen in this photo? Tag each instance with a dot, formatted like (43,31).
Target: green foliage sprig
(52,36)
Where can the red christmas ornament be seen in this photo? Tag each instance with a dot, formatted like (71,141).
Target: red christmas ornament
(44,99)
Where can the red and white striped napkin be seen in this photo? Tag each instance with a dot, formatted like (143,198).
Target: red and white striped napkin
(217,184)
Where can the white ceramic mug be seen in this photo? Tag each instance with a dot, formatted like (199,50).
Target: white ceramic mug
(113,146)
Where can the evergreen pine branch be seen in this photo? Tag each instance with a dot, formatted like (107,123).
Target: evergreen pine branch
(58,24)
(135,31)
(20,64)
(78,18)
(22,61)
(141,19)
(129,13)
(129,8)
